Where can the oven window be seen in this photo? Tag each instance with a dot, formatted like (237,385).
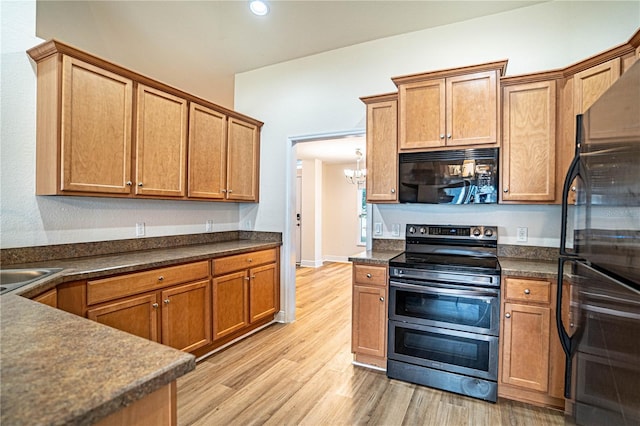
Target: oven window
(467,311)
(445,348)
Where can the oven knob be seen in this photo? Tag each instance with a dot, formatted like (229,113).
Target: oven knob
(423,230)
(488,232)
(476,232)
(412,230)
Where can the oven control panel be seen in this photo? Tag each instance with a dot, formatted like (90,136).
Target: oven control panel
(459,232)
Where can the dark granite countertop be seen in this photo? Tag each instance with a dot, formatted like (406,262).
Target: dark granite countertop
(375,257)
(58,368)
(100,266)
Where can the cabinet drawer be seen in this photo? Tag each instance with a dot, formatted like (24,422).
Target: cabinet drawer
(125,285)
(366,274)
(528,290)
(243,261)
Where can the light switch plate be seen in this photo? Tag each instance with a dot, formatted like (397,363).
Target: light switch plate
(377,228)
(209,225)
(140,229)
(522,236)
(395,229)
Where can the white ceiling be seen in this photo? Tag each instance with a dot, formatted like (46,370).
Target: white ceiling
(333,151)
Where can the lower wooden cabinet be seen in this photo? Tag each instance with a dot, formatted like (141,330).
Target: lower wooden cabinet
(243,295)
(369,315)
(531,358)
(137,315)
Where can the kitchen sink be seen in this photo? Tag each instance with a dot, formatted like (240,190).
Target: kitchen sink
(11,279)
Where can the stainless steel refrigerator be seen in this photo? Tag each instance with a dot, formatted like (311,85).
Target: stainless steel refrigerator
(598,312)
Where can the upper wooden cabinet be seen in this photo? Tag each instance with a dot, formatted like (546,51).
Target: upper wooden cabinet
(103,130)
(590,84)
(161,143)
(452,108)
(382,148)
(528,160)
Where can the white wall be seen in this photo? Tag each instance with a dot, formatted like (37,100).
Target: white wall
(340,224)
(319,94)
(29,220)
(312,203)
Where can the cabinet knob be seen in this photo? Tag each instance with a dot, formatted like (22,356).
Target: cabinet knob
(449,136)
(229,191)
(249,260)
(382,299)
(155,305)
(253,276)
(505,190)
(507,315)
(223,190)
(247,278)
(129,183)
(527,291)
(139,183)
(393,191)
(441,135)
(166,301)
(161,278)
(574,189)
(368,275)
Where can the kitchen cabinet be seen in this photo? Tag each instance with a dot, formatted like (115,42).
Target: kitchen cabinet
(169,305)
(531,359)
(590,84)
(103,130)
(84,116)
(369,315)
(49,298)
(223,156)
(451,108)
(246,290)
(528,169)
(382,148)
(161,143)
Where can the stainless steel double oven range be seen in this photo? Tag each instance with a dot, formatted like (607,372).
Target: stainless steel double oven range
(444,310)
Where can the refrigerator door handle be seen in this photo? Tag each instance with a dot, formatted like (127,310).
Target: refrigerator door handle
(565,339)
(572,173)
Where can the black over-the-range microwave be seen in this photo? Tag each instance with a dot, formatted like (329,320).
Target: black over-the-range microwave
(466,176)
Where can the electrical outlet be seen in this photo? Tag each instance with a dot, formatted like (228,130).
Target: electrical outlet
(377,228)
(395,229)
(209,225)
(247,225)
(140,229)
(522,234)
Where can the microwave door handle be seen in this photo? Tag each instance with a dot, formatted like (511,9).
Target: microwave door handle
(442,290)
(565,339)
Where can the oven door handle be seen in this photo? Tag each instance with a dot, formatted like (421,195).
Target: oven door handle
(445,290)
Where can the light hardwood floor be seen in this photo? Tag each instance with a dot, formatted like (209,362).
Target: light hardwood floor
(301,373)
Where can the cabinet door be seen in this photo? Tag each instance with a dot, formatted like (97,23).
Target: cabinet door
(472,109)
(243,159)
(230,303)
(49,298)
(590,84)
(529,142)
(369,321)
(136,315)
(525,346)
(264,294)
(161,143)
(422,114)
(382,151)
(207,152)
(96,129)
(186,316)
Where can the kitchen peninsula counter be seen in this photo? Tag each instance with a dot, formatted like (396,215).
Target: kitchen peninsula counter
(58,368)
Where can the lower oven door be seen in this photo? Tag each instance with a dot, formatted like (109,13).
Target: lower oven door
(471,309)
(470,354)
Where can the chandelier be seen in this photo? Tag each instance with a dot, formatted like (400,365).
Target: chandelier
(357,176)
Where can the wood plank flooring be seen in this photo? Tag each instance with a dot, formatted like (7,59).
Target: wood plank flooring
(301,374)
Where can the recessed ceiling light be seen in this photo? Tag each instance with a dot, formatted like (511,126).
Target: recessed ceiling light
(259,7)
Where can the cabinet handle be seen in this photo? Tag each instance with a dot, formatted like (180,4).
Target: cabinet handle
(253,276)
(368,275)
(166,301)
(382,299)
(574,189)
(155,305)
(505,190)
(527,291)
(229,191)
(249,260)
(139,183)
(393,191)
(160,278)
(247,278)
(129,183)
(449,136)
(441,135)
(223,190)
(507,315)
